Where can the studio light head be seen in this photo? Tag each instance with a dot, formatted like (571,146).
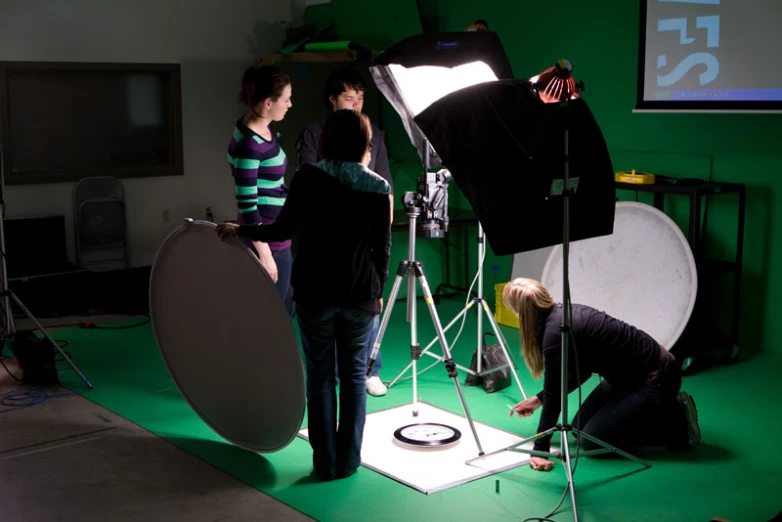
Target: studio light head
(556,84)
(417,72)
(422,69)
(504,139)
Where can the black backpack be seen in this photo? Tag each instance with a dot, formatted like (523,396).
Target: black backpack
(493,357)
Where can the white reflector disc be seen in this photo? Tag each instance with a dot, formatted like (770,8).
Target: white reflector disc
(226,338)
(644,273)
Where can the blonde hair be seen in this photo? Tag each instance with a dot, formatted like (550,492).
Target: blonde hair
(529,300)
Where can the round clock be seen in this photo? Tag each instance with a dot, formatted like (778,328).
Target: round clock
(427,434)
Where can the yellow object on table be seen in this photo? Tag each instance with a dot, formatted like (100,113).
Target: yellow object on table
(640,178)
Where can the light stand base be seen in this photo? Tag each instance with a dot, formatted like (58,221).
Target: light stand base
(565,455)
(566,190)
(10,294)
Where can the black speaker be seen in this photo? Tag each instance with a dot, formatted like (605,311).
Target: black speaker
(36,358)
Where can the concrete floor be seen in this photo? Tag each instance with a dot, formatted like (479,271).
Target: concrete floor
(69,459)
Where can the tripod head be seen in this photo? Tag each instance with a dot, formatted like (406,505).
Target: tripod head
(431,199)
(431,202)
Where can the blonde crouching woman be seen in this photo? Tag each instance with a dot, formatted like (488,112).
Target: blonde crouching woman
(637,404)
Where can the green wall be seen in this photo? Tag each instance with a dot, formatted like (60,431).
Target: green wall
(602,44)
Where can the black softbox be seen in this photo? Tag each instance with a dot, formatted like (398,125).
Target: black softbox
(506,151)
(505,148)
(447,50)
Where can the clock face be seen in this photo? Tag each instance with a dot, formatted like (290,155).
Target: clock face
(427,434)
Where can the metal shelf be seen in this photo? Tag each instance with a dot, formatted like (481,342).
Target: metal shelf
(700,333)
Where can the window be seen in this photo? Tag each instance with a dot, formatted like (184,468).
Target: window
(65,121)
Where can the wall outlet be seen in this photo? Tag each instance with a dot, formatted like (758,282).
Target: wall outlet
(166,216)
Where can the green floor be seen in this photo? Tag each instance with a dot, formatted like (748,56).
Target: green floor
(734,474)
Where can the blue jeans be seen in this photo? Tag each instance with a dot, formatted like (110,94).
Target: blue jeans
(336,452)
(370,341)
(284,261)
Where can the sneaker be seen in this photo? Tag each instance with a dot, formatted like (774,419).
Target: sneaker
(376,387)
(691,417)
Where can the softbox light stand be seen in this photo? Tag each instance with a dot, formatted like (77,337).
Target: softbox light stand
(503,142)
(566,189)
(483,308)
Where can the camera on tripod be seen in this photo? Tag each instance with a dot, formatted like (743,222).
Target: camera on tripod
(430,202)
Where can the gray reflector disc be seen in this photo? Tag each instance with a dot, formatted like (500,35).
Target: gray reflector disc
(226,338)
(644,273)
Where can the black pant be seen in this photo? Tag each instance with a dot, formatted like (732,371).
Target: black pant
(628,419)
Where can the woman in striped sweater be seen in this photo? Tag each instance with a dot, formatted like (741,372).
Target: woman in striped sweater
(258,166)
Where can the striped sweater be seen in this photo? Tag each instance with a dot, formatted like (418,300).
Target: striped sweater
(258,168)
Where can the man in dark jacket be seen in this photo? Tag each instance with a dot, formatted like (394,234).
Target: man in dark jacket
(345,90)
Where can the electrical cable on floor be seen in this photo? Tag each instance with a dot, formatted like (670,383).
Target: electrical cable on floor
(57,355)
(123,327)
(33,396)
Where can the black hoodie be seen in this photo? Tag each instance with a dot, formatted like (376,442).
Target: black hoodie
(339,215)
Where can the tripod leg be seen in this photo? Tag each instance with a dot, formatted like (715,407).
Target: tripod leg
(497,332)
(611,449)
(449,364)
(52,341)
(517,447)
(433,342)
(569,472)
(412,318)
(386,316)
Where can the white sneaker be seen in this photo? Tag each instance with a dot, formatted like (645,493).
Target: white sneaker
(376,387)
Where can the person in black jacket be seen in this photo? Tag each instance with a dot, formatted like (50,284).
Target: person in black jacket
(339,212)
(637,404)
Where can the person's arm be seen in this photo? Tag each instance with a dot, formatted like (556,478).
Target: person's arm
(381,164)
(551,395)
(306,148)
(287,223)
(245,162)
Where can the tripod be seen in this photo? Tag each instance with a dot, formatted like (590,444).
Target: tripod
(411,269)
(566,190)
(8,296)
(482,308)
